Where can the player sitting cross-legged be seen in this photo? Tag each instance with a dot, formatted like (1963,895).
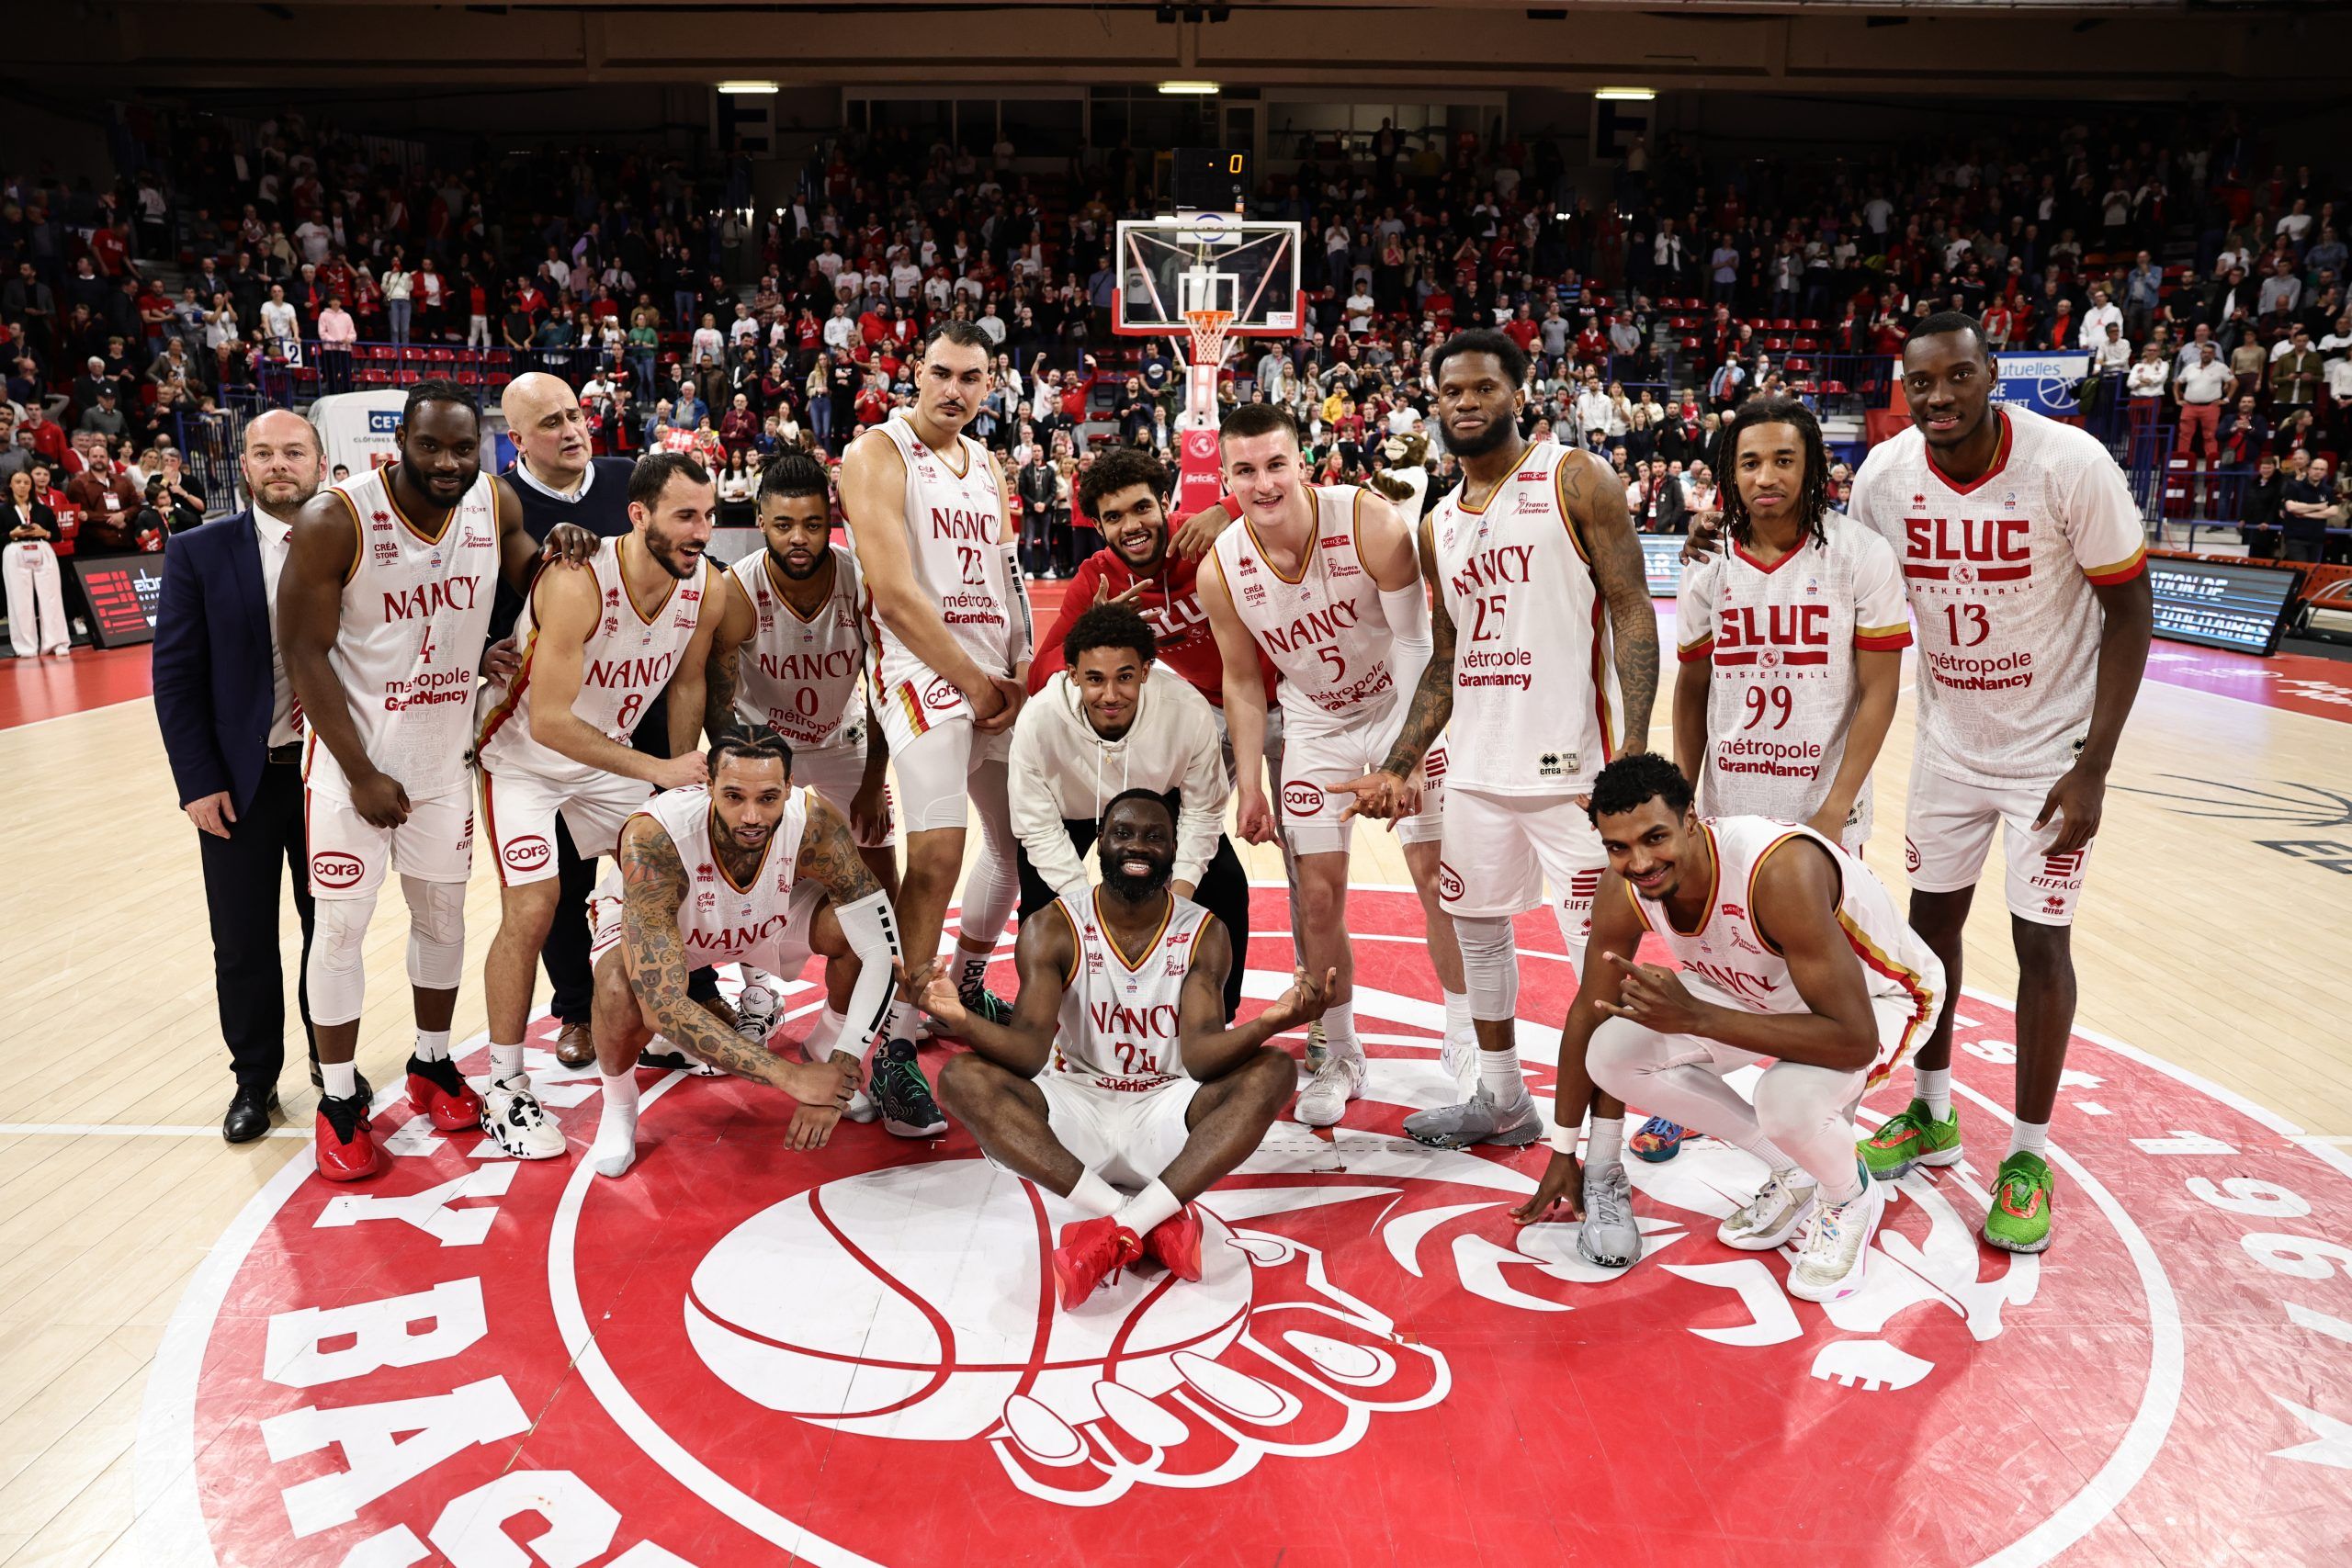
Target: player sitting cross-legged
(1116,1067)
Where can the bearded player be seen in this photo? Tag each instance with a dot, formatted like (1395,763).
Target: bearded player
(1545,668)
(598,646)
(748,869)
(1117,1069)
(383,616)
(948,629)
(1322,579)
(1810,973)
(1791,644)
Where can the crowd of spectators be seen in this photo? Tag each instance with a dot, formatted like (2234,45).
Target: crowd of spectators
(281,261)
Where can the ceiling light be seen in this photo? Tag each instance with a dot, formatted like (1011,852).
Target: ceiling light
(1626,95)
(1189,89)
(747,89)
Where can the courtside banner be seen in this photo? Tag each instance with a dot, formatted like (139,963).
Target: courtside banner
(123,591)
(355,428)
(2042,382)
(1662,563)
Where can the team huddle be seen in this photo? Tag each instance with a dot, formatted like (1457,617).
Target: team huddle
(782,761)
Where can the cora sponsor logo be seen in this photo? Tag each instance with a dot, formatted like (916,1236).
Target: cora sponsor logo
(940,695)
(528,852)
(1301,798)
(333,868)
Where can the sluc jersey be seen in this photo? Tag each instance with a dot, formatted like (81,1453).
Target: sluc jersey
(954,513)
(1325,630)
(1536,707)
(2000,574)
(1118,1021)
(1728,960)
(1780,641)
(800,676)
(625,663)
(415,619)
(717,922)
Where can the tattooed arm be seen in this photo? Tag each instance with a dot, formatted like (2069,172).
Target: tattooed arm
(1596,510)
(722,672)
(1432,701)
(829,857)
(654,885)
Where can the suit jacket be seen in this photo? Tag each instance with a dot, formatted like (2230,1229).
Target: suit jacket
(213,664)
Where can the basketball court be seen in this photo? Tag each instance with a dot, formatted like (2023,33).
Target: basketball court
(214,1357)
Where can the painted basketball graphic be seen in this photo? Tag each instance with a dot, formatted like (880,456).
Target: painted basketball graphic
(727,1355)
(332,868)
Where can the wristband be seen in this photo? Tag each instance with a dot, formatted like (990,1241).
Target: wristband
(1564,1139)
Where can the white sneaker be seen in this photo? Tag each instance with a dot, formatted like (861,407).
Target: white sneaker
(755,1011)
(1782,1204)
(615,1147)
(1836,1253)
(665,1054)
(1324,1098)
(516,1122)
(1459,1058)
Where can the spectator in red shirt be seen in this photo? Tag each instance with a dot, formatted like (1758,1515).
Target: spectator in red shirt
(1523,330)
(108,503)
(739,428)
(873,403)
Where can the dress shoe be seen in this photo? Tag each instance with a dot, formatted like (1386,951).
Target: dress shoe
(574,1047)
(250,1114)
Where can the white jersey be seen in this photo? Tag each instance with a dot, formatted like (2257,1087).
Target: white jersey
(624,664)
(1325,630)
(415,619)
(1728,960)
(719,921)
(1781,640)
(2000,574)
(1118,1021)
(954,515)
(1536,707)
(798,675)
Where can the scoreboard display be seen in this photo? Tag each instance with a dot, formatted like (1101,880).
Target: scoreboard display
(1212,179)
(2222,603)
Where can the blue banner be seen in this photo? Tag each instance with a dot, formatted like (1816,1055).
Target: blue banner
(2044,383)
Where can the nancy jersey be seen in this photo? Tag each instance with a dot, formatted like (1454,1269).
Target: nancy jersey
(799,674)
(1536,708)
(719,921)
(2000,574)
(1728,960)
(415,619)
(1780,642)
(1324,628)
(1118,1021)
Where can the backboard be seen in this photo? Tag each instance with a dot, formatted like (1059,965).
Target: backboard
(1207,261)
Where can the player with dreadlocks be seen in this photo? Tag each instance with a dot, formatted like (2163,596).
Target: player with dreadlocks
(1792,640)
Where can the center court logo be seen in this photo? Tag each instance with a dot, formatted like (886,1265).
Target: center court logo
(739,1352)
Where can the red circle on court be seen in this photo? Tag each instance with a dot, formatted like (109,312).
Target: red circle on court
(736,1352)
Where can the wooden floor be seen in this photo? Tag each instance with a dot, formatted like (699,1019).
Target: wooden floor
(2198,944)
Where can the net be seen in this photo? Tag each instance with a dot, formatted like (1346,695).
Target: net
(1208,331)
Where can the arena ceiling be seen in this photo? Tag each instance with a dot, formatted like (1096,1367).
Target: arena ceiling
(2110,49)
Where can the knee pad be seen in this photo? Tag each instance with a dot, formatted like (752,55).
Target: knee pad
(1490,964)
(337,973)
(437,933)
(989,893)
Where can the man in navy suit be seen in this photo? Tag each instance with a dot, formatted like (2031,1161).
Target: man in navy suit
(234,733)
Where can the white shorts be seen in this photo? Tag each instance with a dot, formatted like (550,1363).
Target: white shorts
(915,702)
(935,770)
(1948,829)
(1501,851)
(1904,1024)
(784,955)
(348,856)
(1314,765)
(1127,1139)
(835,772)
(519,808)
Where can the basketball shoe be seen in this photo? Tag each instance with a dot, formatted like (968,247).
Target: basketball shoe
(981,1002)
(755,1010)
(1175,1244)
(2018,1220)
(1780,1207)
(1910,1137)
(437,1090)
(1477,1120)
(904,1094)
(1089,1250)
(345,1148)
(1324,1098)
(517,1123)
(1607,1237)
(1835,1254)
(1658,1141)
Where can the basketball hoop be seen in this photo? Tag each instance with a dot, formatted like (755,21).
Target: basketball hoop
(1208,330)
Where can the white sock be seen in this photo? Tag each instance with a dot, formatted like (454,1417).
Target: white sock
(902,1025)
(2029,1138)
(620,1091)
(971,969)
(1094,1197)
(1848,1188)
(614,1149)
(1499,1076)
(1604,1145)
(826,1038)
(433,1044)
(505,1063)
(1148,1208)
(341,1079)
(1457,1015)
(756,979)
(1933,1087)
(1339,1030)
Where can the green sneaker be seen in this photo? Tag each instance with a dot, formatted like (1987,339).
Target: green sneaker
(2020,1218)
(1911,1137)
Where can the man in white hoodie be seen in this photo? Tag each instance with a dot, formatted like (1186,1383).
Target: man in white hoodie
(1102,727)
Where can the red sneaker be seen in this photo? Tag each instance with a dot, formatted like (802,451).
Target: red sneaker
(346,1150)
(1175,1244)
(437,1089)
(1091,1249)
